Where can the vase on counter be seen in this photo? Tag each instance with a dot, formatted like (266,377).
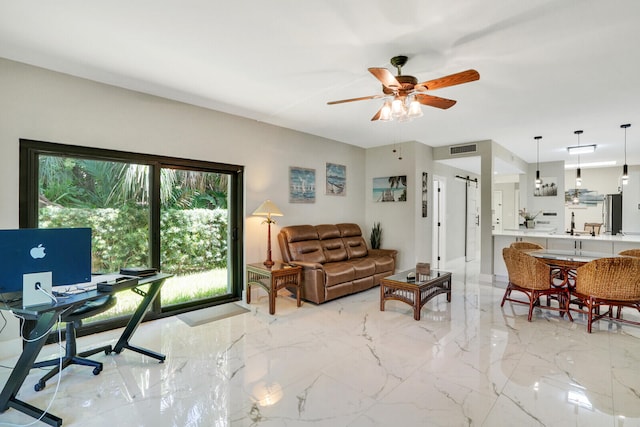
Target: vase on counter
(529,223)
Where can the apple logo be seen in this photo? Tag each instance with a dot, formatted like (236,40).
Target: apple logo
(37,252)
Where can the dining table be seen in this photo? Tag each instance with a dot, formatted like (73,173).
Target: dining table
(564,262)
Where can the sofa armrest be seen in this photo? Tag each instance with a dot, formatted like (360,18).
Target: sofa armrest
(307,265)
(382,252)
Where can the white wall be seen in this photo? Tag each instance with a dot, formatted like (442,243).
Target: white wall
(396,218)
(48,106)
(423,162)
(546,204)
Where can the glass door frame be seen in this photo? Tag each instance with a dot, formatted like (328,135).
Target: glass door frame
(30,150)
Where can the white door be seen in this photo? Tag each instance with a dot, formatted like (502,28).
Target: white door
(472,221)
(438,248)
(496,211)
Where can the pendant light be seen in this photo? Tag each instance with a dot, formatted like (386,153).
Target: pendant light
(625,171)
(578,174)
(538,180)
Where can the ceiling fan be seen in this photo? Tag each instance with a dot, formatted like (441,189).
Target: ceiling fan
(404,94)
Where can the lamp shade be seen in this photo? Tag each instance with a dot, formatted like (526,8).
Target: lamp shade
(268,208)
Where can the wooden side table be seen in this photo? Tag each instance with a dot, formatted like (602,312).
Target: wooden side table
(273,279)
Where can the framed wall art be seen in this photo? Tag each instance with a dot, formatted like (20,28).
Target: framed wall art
(302,185)
(390,189)
(336,180)
(425,193)
(548,188)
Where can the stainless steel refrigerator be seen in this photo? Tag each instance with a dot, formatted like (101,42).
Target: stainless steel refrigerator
(613,213)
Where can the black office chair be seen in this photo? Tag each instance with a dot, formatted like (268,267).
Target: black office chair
(71,357)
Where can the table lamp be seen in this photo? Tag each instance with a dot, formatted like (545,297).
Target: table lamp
(268,209)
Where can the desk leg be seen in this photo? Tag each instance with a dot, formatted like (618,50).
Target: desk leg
(23,366)
(135,321)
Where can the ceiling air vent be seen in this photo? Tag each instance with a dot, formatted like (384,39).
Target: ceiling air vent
(463,149)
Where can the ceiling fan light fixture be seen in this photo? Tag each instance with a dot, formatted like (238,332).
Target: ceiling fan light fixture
(385,112)
(414,109)
(397,108)
(404,118)
(406,90)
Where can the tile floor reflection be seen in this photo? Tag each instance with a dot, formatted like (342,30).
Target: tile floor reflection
(346,363)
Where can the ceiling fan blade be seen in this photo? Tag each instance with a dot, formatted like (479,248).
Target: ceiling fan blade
(342,101)
(377,115)
(387,79)
(450,80)
(435,101)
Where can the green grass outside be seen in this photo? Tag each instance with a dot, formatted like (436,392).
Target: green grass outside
(176,290)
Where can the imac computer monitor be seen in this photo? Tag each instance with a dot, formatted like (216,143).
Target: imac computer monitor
(57,256)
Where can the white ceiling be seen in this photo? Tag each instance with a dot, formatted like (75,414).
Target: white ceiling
(547,67)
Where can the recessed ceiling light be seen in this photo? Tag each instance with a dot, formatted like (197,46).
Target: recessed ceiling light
(581,149)
(590,165)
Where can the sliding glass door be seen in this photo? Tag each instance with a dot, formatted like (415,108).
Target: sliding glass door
(194,236)
(180,216)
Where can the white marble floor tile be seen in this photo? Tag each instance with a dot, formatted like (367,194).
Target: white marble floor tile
(346,363)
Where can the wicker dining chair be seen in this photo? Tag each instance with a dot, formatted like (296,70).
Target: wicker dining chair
(593,227)
(532,277)
(630,252)
(612,282)
(556,272)
(525,245)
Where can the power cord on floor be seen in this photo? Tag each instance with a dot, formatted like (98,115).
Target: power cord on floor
(60,357)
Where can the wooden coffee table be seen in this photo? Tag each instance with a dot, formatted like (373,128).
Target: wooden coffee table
(417,293)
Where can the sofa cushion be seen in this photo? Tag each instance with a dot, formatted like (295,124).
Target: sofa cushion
(327,231)
(307,251)
(363,267)
(356,247)
(383,263)
(349,230)
(331,242)
(334,250)
(298,233)
(338,272)
(302,244)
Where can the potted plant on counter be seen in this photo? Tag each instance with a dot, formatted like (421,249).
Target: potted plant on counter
(529,218)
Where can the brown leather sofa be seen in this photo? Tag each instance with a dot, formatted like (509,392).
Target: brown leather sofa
(335,260)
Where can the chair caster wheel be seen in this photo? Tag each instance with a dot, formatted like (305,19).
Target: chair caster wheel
(39,386)
(96,371)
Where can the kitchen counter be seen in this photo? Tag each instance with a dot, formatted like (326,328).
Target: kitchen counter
(579,235)
(603,243)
